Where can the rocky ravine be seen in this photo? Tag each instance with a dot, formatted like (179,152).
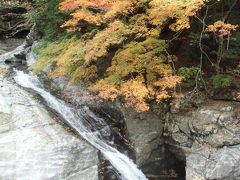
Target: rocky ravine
(33,145)
(205,138)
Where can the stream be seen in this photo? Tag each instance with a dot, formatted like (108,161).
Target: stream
(79,120)
(126,168)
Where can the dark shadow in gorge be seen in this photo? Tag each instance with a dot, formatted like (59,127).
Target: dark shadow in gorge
(164,165)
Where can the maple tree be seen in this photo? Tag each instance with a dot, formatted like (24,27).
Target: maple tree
(138,71)
(123,56)
(221,28)
(223,31)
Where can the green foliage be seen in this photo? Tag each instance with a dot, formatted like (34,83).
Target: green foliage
(220,46)
(142,59)
(67,58)
(189,75)
(48,53)
(220,81)
(48,18)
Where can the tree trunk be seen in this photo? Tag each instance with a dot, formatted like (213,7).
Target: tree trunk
(220,53)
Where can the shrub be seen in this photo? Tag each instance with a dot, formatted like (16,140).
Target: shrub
(189,75)
(64,55)
(220,81)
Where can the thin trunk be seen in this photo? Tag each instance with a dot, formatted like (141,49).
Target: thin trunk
(229,11)
(220,54)
(228,42)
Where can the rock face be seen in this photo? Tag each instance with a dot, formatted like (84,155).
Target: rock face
(19,54)
(34,146)
(9,44)
(144,131)
(209,139)
(220,164)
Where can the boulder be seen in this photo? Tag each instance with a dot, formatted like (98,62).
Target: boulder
(145,130)
(19,54)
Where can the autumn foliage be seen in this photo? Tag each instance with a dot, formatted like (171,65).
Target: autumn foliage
(123,56)
(139,72)
(94,11)
(222,29)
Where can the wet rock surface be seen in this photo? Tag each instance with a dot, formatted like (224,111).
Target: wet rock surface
(9,44)
(19,54)
(33,145)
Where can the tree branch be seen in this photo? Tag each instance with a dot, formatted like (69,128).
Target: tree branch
(229,11)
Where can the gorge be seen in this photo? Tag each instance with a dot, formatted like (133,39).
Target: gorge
(54,126)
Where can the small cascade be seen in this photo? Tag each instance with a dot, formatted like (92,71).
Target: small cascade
(79,120)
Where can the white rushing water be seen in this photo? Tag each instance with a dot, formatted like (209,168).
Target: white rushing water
(125,166)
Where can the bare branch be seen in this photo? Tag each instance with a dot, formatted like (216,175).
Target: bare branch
(199,74)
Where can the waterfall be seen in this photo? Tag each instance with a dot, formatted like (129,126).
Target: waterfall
(126,168)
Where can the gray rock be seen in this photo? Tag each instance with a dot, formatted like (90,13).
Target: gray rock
(209,138)
(31,57)
(7,45)
(60,83)
(222,164)
(18,55)
(215,125)
(34,146)
(145,132)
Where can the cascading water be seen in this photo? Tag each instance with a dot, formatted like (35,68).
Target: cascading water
(126,168)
